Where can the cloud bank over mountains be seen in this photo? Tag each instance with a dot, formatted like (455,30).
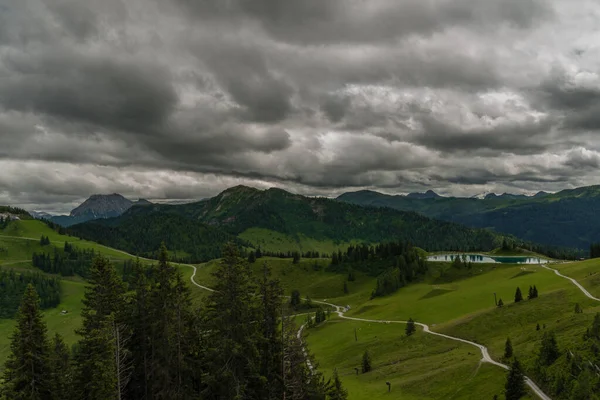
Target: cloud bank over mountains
(183,98)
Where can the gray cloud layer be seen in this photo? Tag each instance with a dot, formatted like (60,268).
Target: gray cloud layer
(181,98)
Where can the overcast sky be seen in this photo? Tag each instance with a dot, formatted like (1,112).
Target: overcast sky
(184,98)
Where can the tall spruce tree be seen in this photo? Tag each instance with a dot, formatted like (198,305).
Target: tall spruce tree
(233,335)
(270,345)
(410,327)
(337,391)
(518,295)
(549,351)
(27,370)
(515,382)
(174,345)
(508,349)
(366,362)
(60,367)
(140,317)
(98,369)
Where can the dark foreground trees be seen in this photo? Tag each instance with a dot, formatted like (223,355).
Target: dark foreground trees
(150,343)
(515,382)
(27,371)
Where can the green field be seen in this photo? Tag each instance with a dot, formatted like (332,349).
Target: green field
(455,302)
(418,367)
(20,239)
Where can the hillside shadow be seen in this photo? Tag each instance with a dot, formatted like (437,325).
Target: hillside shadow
(435,293)
(522,273)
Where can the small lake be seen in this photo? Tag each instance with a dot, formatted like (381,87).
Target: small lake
(480,258)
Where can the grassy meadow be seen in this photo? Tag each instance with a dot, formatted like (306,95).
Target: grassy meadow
(458,302)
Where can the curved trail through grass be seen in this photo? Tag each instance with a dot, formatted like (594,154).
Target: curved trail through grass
(484,351)
(588,294)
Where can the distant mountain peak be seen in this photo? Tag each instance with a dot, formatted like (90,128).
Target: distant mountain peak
(103,206)
(430,194)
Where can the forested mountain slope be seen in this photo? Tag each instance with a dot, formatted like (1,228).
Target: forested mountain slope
(236,210)
(568,218)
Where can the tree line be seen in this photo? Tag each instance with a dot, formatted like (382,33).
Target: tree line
(151,343)
(67,262)
(254,255)
(13,284)
(395,264)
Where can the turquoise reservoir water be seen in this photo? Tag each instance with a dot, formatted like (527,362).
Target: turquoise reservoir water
(480,258)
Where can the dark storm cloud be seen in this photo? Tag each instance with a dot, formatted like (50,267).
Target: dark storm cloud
(184,98)
(108,93)
(352,21)
(244,73)
(578,102)
(521,138)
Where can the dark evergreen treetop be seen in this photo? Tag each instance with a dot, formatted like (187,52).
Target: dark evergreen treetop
(27,370)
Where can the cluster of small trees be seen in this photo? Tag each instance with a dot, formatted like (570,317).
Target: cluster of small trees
(253,255)
(395,263)
(150,343)
(533,294)
(44,241)
(13,284)
(569,373)
(68,262)
(321,315)
(297,304)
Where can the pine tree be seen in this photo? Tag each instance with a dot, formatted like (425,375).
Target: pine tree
(232,358)
(337,392)
(139,315)
(508,349)
(295,257)
(530,295)
(351,275)
(518,295)
(172,326)
(535,292)
(97,370)
(578,309)
(27,370)
(515,382)
(251,257)
(296,374)
(295,299)
(366,362)
(500,303)
(346,287)
(60,367)
(270,346)
(537,326)
(410,327)
(549,350)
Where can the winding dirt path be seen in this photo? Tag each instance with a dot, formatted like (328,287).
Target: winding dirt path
(588,294)
(484,350)
(339,310)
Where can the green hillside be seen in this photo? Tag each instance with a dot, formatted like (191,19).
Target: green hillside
(279,221)
(566,218)
(18,241)
(142,233)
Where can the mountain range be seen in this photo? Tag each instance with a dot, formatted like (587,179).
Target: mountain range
(95,207)
(275,220)
(568,218)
